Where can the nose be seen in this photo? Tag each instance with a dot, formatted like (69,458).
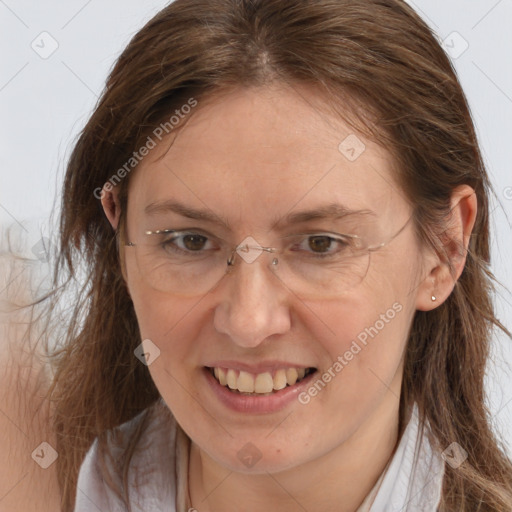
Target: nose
(254,303)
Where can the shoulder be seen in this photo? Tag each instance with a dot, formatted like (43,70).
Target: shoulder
(144,448)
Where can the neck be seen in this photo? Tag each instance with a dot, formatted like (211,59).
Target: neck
(339,480)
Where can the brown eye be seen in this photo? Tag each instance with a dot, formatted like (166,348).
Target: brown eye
(320,243)
(187,243)
(194,242)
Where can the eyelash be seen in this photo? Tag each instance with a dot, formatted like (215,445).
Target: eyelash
(170,245)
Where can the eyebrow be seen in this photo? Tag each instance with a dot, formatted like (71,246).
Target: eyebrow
(204,215)
(331,211)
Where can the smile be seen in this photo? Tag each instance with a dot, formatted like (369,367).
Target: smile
(264,383)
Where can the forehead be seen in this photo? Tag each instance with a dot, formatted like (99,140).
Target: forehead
(255,154)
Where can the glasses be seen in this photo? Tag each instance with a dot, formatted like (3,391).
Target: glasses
(311,264)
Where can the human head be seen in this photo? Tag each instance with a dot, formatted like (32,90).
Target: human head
(252,321)
(378,67)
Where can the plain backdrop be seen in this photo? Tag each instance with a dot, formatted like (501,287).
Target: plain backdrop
(55,57)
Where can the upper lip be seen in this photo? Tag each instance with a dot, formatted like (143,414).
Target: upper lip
(262,367)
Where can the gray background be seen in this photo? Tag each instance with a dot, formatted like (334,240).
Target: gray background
(45,99)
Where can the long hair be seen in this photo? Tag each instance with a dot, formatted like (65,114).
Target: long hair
(366,56)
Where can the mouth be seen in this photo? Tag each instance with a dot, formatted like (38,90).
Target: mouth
(240,382)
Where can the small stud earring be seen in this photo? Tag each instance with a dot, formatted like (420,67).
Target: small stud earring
(433,298)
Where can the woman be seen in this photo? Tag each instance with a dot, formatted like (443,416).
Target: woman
(282,211)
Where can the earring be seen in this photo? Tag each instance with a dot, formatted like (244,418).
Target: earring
(433,298)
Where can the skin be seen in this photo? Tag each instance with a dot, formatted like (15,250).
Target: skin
(250,157)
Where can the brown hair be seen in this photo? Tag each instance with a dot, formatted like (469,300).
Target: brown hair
(378,52)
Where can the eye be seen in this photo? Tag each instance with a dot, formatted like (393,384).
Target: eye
(192,242)
(187,242)
(322,244)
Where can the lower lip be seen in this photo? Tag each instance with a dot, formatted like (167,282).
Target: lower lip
(257,404)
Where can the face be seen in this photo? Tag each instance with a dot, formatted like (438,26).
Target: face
(252,161)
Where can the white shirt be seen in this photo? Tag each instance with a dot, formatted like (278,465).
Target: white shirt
(411,482)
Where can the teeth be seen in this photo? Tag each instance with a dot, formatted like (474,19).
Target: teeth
(262,383)
(222,376)
(291,376)
(280,379)
(246,383)
(231,379)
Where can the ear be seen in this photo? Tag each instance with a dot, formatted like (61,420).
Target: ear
(112,208)
(111,205)
(441,279)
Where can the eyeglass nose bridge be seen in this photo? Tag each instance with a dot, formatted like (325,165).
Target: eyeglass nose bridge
(245,249)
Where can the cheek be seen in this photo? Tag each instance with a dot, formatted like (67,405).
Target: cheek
(156,313)
(363,336)
(171,324)
(360,336)
(362,374)
(172,328)
(168,322)
(376,317)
